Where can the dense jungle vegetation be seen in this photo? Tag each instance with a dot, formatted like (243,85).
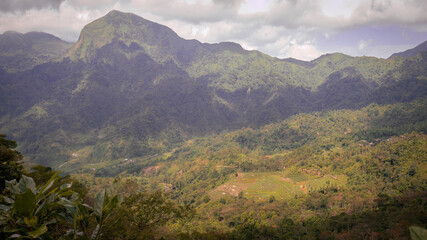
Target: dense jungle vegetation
(341,174)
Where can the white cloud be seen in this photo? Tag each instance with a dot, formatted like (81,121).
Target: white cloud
(255,6)
(306,51)
(363,44)
(338,8)
(282,28)
(66,22)
(83,16)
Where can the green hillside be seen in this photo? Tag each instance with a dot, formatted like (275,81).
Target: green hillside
(19,52)
(341,165)
(303,148)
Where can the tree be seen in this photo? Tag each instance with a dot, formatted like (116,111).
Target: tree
(142,214)
(10,166)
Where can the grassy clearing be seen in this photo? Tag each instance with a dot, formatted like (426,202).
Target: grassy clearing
(271,185)
(261,186)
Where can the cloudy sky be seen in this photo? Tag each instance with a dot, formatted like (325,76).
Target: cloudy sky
(302,29)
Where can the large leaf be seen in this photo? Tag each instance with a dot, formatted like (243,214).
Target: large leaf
(8,200)
(41,207)
(27,183)
(10,229)
(66,186)
(11,185)
(47,186)
(4,208)
(418,233)
(21,186)
(111,205)
(25,204)
(95,233)
(38,232)
(67,203)
(99,203)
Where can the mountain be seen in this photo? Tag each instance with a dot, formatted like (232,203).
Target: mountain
(132,88)
(219,64)
(412,52)
(20,52)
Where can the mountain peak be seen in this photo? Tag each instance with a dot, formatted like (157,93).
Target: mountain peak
(117,13)
(117,17)
(126,33)
(126,28)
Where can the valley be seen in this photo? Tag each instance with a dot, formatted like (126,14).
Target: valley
(212,141)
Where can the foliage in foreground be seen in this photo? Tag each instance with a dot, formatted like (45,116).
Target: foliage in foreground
(40,213)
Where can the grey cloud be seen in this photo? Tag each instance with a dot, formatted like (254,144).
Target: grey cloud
(380,5)
(24,5)
(228,2)
(289,14)
(410,13)
(95,4)
(193,13)
(295,14)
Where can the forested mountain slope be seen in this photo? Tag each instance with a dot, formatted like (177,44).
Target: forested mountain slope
(343,174)
(130,88)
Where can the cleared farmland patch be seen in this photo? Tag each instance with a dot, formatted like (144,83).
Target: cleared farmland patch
(263,186)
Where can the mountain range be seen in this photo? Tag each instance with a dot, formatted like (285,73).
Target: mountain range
(130,88)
